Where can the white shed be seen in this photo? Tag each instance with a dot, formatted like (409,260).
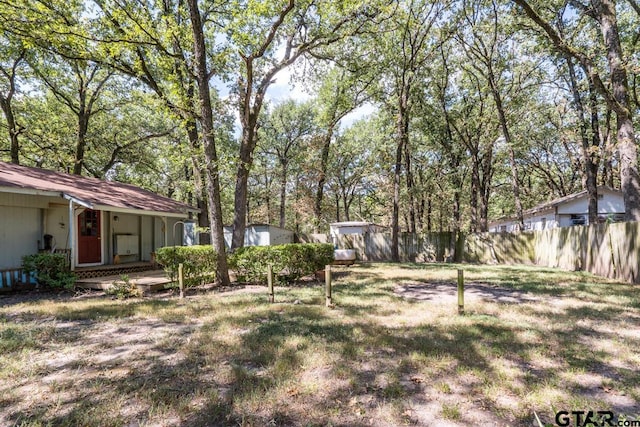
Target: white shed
(353,227)
(261,235)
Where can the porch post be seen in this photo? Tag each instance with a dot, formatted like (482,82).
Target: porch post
(166,231)
(72,227)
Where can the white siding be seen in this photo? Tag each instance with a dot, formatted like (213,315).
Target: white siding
(279,236)
(351,230)
(56,223)
(20,230)
(611,203)
(174,232)
(146,238)
(256,236)
(25,201)
(608,203)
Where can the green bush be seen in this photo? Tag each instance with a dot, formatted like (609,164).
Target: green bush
(199,263)
(290,262)
(49,270)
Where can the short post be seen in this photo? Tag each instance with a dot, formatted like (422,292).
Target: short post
(327,282)
(181,279)
(460,291)
(270,282)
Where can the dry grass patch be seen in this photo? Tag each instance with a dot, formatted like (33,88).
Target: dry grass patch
(392,352)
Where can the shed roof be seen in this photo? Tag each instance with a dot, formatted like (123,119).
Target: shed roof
(91,192)
(351,224)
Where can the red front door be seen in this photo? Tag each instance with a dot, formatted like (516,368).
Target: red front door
(89,243)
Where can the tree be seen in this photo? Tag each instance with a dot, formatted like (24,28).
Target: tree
(286,131)
(603,12)
(13,56)
(488,53)
(403,49)
(268,37)
(202,76)
(340,92)
(79,85)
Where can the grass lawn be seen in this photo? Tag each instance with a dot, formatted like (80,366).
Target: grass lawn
(392,352)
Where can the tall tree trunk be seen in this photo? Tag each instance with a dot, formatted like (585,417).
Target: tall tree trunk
(429,213)
(475,189)
(410,187)
(346,205)
(199,187)
(589,170)
(211,155)
(402,129)
(283,194)
(593,154)
(7,109)
(627,149)
(247,147)
(81,140)
(485,187)
(453,252)
(322,178)
(14,131)
(608,152)
(502,117)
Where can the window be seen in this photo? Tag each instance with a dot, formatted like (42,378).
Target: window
(578,220)
(89,223)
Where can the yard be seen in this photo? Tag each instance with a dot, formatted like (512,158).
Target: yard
(392,352)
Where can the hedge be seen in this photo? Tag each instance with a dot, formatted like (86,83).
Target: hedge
(49,270)
(199,263)
(290,262)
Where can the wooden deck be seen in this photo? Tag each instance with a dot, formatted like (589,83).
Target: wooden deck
(147,281)
(113,269)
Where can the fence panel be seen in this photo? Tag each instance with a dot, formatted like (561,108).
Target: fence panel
(607,250)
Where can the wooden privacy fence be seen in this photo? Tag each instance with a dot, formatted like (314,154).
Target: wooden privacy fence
(608,250)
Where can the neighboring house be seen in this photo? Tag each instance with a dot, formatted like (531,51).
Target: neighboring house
(567,211)
(261,235)
(353,227)
(98,222)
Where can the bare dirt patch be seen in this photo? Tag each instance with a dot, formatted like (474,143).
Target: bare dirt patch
(447,292)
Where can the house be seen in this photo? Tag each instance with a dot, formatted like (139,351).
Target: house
(96,222)
(261,235)
(567,211)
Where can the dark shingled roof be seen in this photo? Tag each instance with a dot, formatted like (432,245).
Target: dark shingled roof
(90,191)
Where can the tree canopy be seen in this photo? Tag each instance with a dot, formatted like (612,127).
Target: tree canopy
(417,115)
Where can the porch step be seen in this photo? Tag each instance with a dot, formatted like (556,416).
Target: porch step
(150,280)
(113,270)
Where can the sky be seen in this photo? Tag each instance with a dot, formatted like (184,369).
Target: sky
(284,88)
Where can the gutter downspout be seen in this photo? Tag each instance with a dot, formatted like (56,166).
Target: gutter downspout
(72,253)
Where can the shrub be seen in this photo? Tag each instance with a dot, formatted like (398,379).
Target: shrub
(49,270)
(199,263)
(290,261)
(123,288)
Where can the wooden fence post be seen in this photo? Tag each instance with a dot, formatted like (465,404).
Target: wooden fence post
(327,282)
(460,291)
(181,279)
(270,282)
